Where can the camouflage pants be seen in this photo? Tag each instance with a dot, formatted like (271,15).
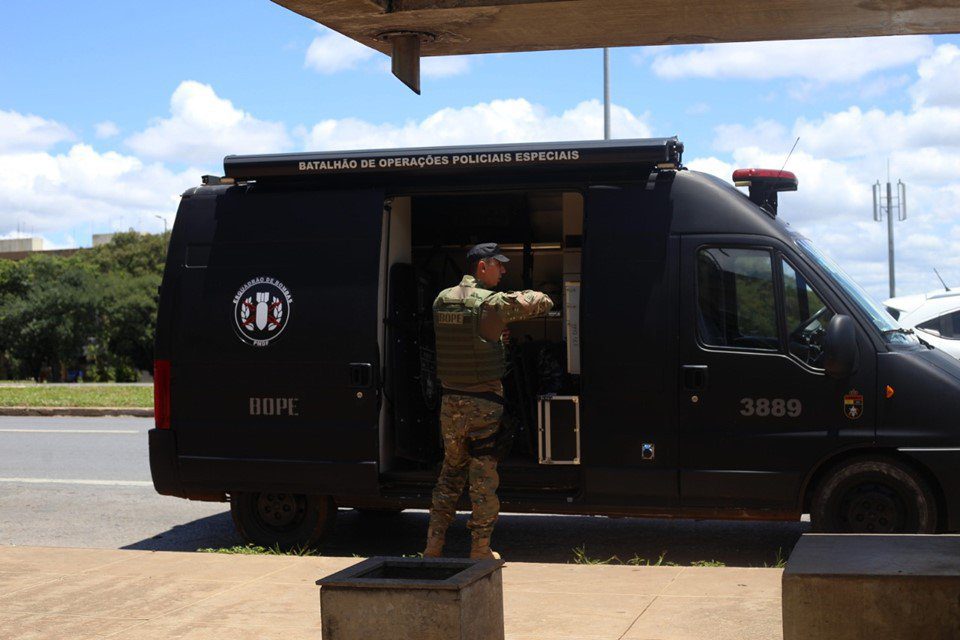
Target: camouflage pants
(465,420)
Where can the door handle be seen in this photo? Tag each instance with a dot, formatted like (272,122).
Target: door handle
(361,375)
(695,376)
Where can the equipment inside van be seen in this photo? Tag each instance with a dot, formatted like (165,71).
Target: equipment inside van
(702,359)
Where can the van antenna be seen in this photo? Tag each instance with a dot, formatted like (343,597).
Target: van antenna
(941,279)
(770,202)
(795,142)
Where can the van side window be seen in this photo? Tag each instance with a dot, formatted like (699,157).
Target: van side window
(806,315)
(945,326)
(736,299)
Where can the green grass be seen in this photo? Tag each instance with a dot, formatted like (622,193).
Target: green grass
(661,561)
(707,563)
(76,395)
(580,556)
(255,550)
(779,562)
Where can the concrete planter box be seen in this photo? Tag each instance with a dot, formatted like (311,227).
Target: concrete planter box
(847,587)
(414,599)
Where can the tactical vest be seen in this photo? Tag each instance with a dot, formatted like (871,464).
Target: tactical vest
(463,357)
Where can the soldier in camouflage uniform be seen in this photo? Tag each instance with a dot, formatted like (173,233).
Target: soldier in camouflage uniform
(469,323)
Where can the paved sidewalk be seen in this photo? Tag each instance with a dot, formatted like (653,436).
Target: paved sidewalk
(54,593)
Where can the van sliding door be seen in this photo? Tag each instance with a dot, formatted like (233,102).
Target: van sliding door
(275,379)
(629,451)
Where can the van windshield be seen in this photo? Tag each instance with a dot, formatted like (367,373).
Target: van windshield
(881,318)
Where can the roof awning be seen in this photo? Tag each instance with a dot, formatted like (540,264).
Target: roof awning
(409,29)
(489,159)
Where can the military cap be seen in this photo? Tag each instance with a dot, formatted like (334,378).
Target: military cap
(484,251)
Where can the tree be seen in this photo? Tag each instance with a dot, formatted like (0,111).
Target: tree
(129,254)
(128,315)
(48,312)
(98,305)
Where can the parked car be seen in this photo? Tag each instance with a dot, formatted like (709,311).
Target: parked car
(936,315)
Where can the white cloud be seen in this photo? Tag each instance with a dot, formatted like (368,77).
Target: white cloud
(204,127)
(331,52)
(85,188)
(939,83)
(827,188)
(832,60)
(106,129)
(20,132)
(855,132)
(933,123)
(763,133)
(882,85)
(515,120)
(14,235)
(842,154)
(444,66)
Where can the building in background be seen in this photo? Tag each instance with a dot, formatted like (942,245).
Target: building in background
(20,248)
(21,244)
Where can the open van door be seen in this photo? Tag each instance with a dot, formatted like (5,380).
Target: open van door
(275,381)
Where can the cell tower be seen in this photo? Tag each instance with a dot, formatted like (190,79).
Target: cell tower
(893,206)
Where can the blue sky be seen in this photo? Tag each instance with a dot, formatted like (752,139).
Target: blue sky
(108,110)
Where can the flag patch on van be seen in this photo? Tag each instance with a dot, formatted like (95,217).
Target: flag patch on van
(853,404)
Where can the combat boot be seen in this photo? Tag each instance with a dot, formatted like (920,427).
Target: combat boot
(480,549)
(435,542)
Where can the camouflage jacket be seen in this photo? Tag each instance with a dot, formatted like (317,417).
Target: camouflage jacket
(498,310)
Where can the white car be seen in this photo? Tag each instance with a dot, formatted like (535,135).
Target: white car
(934,315)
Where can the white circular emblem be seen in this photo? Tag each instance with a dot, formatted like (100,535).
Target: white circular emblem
(261,310)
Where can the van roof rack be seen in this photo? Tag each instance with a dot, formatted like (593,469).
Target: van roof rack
(648,153)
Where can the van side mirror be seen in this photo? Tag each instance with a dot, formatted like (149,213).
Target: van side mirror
(841,354)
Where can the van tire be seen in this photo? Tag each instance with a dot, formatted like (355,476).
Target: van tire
(285,520)
(873,495)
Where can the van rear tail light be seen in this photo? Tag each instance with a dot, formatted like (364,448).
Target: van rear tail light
(161,393)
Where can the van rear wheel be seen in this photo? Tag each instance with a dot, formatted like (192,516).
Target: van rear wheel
(284,520)
(874,495)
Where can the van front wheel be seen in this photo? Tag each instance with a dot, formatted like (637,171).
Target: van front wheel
(872,495)
(284,520)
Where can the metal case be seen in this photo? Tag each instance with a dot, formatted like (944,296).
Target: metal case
(558,429)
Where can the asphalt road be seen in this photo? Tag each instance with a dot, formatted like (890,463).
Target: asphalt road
(85,482)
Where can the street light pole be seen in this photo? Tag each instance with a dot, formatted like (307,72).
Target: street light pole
(164,222)
(606,93)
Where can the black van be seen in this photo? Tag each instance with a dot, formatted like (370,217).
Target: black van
(702,359)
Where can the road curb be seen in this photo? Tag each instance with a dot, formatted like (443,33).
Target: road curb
(139,412)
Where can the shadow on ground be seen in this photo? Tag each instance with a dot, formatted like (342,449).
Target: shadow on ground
(530,538)
(213,531)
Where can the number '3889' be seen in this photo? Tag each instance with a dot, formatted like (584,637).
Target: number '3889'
(776,407)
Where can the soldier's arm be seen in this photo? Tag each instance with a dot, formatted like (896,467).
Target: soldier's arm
(518,305)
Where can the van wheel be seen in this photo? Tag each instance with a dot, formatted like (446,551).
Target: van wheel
(286,520)
(870,495)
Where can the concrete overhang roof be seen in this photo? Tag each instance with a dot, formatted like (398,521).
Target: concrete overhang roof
(488,26)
